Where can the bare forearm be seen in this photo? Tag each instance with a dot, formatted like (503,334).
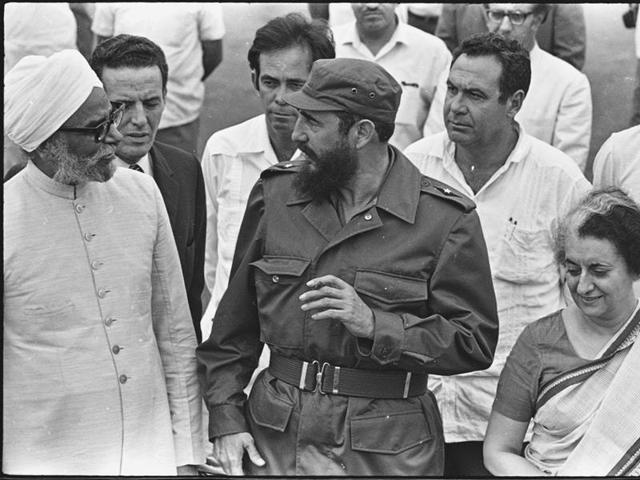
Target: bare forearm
(511,464)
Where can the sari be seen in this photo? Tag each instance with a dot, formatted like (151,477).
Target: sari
(587,419)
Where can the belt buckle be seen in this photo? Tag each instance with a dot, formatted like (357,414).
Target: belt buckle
(320,375)
(302,382)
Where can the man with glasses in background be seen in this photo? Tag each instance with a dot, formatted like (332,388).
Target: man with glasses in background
(99,373)
(558,108)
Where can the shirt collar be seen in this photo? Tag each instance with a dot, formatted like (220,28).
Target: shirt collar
(144,163)
(37,177)
(399,193)
(400,35)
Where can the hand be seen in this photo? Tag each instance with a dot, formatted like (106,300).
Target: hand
(229,450)
(336,299)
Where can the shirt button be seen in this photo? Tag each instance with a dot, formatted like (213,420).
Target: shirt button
(368,216)
(95,265)
(275,279)
(103,292)
(88,237)
(116,349)
(123,379)
(79,208)
(109,321)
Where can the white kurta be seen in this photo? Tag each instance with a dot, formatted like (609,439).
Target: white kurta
(99,348)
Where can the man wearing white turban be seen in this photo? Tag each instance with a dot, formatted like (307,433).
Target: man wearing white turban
(99,372)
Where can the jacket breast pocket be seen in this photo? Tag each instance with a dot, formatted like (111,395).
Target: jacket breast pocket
(279,281)
(392,292)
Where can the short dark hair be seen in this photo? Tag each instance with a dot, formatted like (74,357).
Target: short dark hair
(516,66)
(348,120)
(129,51)
(288,31)
(607,214)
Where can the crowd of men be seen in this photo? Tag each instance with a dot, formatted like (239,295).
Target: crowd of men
(374,242)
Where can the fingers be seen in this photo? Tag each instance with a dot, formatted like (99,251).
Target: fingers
(254,456)
(327,280)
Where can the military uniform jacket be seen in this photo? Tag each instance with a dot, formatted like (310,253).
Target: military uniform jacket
(417,258)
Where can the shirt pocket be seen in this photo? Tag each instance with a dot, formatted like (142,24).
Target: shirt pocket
(279,282)
(392,292)
(525,256)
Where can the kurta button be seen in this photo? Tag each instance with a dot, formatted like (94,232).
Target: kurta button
(116,349)
(123,379)
(368,216)
(275,279)
(88,237)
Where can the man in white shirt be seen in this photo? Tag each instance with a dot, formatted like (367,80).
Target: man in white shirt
(190,34)
(521,186)
(280,59)
(558,108)
(415,58)
(618,162)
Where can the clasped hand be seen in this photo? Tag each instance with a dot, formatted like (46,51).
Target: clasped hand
(333,298)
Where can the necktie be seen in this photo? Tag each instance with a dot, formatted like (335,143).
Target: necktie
(136,167)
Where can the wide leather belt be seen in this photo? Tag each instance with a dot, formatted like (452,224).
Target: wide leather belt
(355,382)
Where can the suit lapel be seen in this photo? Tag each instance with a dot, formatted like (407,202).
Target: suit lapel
(169,187)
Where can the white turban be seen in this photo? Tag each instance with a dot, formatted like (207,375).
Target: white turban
(41,93)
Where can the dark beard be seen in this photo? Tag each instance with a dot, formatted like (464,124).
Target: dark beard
(327,173)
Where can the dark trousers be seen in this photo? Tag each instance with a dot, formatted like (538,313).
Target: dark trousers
(635,115)
(184,136)
(464,459)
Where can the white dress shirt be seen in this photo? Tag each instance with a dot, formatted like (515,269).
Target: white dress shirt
(179,29)
(618,162)
(416,60)
(557,108)
(144,163)
(232,161)
(517,206)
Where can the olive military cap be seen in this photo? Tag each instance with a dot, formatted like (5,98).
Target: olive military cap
(349,85)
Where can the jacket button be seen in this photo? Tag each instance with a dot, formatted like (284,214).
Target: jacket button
(275,279)
(123,379)
(368,216)
(116,349)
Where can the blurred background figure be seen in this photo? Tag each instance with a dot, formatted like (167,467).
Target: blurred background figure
(617,164)
(341,13)
(575,372)
(562,33)
(190,34)
(33,29)
(415,59)
(635,118)
(83,13)
(424,16)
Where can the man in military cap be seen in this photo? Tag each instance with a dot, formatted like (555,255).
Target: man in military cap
(363,277)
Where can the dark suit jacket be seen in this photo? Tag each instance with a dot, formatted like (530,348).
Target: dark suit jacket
(179,178)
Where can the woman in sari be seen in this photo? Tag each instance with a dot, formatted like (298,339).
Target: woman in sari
(576,373)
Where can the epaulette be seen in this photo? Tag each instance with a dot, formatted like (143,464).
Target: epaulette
(282,167)
(441,190)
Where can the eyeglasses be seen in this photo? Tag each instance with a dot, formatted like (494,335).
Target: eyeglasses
(101,131)
(516,18)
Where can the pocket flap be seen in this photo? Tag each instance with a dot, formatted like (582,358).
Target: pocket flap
(392,433)
(268,410)
(282,265)
(390,288)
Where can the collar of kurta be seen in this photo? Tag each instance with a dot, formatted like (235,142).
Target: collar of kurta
(39,179)
(399,193)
